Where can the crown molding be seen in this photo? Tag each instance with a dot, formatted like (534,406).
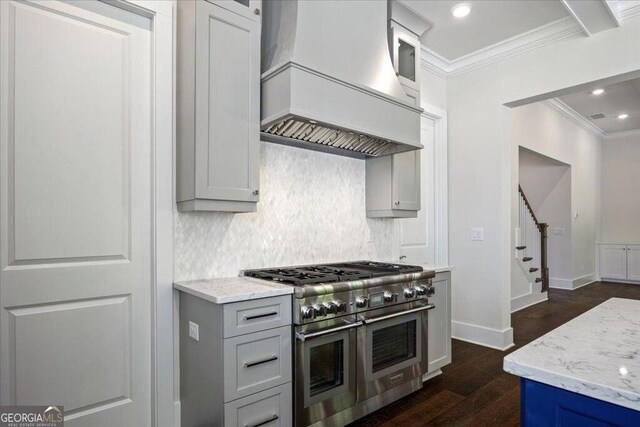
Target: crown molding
(521,43)
(627,12)
(574,116)
(633,132)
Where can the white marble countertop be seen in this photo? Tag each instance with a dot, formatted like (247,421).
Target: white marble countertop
(232,289)
(596,354)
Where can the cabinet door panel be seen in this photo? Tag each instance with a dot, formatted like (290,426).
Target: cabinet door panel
(633,262)
(406,180)
(613,262)
(227,104)
(440,324)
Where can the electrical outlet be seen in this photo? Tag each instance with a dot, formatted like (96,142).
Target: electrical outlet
(558,231)
(194,331)
(372,235)
(477,234)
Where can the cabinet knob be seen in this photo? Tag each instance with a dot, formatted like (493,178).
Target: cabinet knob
(397,202)
(256,11)
(256,192)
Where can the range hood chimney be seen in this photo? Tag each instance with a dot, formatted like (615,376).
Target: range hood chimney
(328,82)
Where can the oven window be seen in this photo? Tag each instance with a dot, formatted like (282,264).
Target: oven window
(326,367)
(393,344)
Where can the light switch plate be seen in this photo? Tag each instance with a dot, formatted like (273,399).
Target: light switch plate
(194,331)
(558,231)
(477,234)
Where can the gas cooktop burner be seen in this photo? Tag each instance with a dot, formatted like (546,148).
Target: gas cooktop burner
(331,273)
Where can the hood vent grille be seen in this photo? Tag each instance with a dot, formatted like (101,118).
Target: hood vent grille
(597,116)
(307,131)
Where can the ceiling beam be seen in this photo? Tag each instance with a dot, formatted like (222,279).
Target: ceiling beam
(593,16)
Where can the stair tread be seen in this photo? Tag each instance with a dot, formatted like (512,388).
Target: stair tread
(538,279)
(521,248)
(533,269)
(527,259)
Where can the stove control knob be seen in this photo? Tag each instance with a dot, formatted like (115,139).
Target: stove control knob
(421,290)
(361,302)
(341,307)
(307,312)
(390,297)
(320,310)
(409,293)
(330,307)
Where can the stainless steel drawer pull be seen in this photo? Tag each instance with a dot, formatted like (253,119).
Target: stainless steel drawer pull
(302,336)
(261,423)
(401,313)
(258,316)
(260,362)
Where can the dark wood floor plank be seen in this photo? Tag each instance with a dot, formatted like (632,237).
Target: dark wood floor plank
(474,390)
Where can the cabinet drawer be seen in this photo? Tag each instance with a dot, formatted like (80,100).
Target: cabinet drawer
(269,408)
(256,362)
(246,317)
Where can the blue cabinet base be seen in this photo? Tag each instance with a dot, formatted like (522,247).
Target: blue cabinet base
(542,405)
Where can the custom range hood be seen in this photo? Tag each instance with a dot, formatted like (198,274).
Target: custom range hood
(328,82)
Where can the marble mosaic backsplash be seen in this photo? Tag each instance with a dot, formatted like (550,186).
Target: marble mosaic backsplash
(311,210)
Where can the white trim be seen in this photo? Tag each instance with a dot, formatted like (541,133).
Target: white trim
(432,374)
(481,335)
(162,387)
(628,282)
(562,108)
(612,7)
(628,12)
(612,135)
(528,300)
(521,43)
(572,284)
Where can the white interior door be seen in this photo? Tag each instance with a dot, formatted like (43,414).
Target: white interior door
(75,214)
(414,237)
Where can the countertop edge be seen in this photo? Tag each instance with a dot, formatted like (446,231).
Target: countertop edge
(597,391)
(261,292)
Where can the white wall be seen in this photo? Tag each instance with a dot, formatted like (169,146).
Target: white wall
(311,209)
(540,128)
(482,181)
(433,89)
(621,189)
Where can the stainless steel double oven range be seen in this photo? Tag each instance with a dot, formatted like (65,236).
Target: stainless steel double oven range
(360,336)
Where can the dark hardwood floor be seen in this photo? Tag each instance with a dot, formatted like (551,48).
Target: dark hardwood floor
(474,390)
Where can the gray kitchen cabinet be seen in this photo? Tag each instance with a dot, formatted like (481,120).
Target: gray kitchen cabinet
(238,371)
(393,185)
(218,106)
(440,324)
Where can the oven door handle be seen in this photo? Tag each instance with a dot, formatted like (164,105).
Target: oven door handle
(398,314)
(302,337)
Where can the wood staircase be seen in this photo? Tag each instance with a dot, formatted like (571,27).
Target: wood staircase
(531,249)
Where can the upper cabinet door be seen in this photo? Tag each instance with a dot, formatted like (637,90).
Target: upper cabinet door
(406,181)
(613,261)
(633,262)
(227,108)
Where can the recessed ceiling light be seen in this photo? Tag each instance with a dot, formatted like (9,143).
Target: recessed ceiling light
(598,92)
(623,116)
(460,10)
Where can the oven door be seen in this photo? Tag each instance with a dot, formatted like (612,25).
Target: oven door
(325,369)
(393,344)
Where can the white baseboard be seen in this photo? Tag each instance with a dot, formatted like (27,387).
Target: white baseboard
(481,335)
(429,375)
(177,417)
(629,282)
(571,285)
(528,300)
